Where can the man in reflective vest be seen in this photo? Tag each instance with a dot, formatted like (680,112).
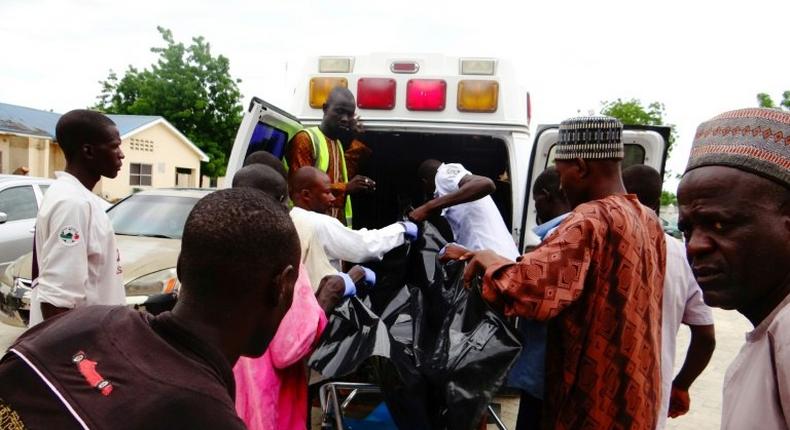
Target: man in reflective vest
(332,148)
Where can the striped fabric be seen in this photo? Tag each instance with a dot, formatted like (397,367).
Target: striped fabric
(756,140)
(590,137)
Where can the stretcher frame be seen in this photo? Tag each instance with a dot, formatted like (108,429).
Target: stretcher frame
(332,409)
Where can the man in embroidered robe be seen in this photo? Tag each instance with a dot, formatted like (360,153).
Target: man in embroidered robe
(597,279)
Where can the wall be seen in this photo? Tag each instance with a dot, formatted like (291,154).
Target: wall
(163,150)
(57,161)
(31,152)
(38,156)
(221,182)
(5,149)
(18,154)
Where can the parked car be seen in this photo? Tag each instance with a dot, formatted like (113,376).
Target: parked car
(148,227)
(20,198)
(671,228)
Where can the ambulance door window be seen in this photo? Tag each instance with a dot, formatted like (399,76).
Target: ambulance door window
(267,138)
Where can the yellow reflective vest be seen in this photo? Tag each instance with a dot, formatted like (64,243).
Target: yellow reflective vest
(321,154)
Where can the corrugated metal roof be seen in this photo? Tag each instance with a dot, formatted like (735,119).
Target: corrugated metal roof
(127,123)
(24,120)
(34,122)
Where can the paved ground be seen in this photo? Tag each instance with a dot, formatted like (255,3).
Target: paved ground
(7,335)
(705,393)
(705,413)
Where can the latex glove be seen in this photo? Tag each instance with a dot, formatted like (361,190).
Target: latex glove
(358,274)
(411,230)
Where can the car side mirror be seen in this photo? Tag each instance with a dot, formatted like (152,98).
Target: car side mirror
(3,217)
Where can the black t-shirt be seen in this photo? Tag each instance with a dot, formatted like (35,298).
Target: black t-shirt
(104,367)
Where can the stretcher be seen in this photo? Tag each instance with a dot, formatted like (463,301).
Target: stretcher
(337,397)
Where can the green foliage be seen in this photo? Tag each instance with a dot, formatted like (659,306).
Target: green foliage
(765,100)
(190,88)
(632,112)
(668,198)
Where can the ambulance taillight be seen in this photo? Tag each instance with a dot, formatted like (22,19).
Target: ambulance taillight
(478,95)
(376,93)
(426,94)
(320,88)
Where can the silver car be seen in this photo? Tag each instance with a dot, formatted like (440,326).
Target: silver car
(20,198)
(148,227)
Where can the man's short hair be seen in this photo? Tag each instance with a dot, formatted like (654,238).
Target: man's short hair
(549,180)
(339,93)
(264,178)
(427,169)
(79,127)
(235,239)
(267,159)
(645,182)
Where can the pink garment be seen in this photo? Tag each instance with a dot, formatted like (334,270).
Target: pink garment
(271,391)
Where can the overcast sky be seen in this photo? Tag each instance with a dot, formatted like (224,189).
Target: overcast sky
(698,57)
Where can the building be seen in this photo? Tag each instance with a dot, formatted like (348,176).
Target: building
(157,154)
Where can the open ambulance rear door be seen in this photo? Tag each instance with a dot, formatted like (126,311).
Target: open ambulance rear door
(643,145)
(265,127)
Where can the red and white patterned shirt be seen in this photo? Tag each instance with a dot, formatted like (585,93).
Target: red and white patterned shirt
(599,279)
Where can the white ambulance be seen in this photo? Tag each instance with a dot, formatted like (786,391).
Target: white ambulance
(413,107)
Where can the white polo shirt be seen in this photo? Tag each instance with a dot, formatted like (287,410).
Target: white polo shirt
(757,383)
(476,225)
(682,303)
(325,241)
(78,259)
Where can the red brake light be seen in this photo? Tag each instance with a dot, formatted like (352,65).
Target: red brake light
(376,93)
(426,94)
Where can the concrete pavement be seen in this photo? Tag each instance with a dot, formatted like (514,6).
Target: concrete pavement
(8,334)
(705,394)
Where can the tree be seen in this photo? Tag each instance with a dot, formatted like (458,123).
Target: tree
(632,112)
(764,100)
(190,88)
(668,198)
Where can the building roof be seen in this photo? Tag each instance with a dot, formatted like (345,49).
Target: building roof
(129,123)
(27,121)
(39,123)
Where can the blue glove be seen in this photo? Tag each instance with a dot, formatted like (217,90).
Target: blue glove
(370,276)
(351,289)
(444,249)
(411,230)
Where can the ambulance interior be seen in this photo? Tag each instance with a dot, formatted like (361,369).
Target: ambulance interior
(393,165)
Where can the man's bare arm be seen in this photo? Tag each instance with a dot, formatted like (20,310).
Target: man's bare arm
(470,188)
(701,347)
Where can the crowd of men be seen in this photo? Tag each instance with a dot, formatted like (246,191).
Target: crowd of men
(598,302)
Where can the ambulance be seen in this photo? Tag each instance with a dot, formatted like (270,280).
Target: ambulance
(413,107)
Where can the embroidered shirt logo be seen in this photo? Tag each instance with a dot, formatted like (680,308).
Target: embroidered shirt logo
(88,370)
(69,236)
(453,171)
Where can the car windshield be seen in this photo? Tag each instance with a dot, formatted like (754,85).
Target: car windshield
(152,216)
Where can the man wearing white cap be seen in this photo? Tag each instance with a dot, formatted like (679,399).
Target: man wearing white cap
(735,213)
